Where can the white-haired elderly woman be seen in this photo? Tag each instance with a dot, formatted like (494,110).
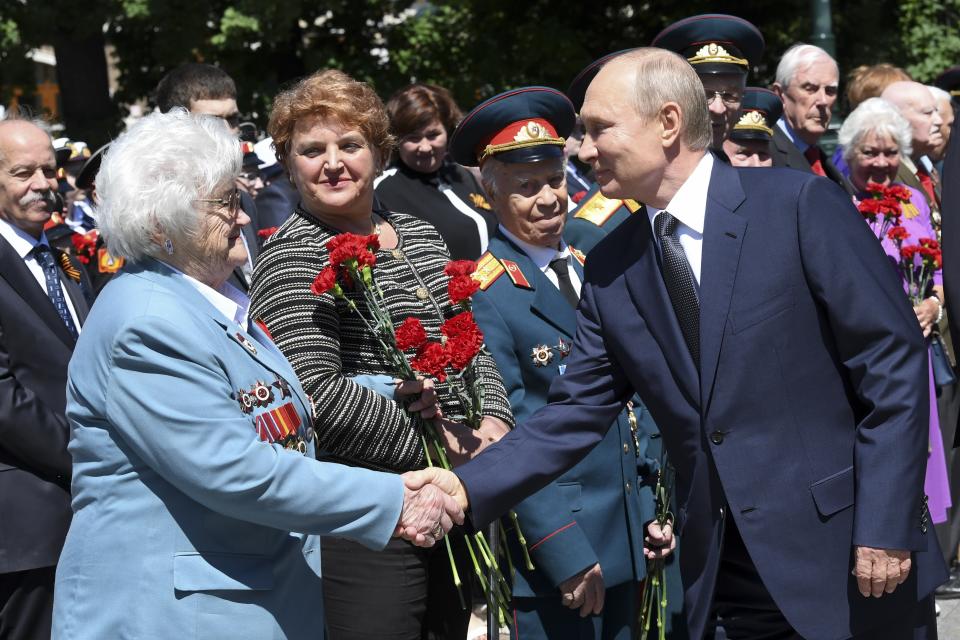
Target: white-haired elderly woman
(197,499)
(874,138)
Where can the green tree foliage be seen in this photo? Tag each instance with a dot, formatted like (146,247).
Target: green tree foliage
(474,47)
(931,40)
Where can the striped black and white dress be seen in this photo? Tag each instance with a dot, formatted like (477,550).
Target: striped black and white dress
(327,343)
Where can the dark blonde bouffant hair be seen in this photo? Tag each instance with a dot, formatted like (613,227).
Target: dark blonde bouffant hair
(330,95)
(418,105)
(869,81)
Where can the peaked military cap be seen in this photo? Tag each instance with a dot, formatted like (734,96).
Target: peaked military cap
(522,125)
(88,172)
(759,111)
(714,43)
(578,88)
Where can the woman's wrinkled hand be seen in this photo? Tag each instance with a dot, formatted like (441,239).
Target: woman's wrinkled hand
(426,402)
(927,312)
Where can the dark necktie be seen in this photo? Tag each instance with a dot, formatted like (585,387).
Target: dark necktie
(44,257)
(679,280)
(560,267)
(814,157)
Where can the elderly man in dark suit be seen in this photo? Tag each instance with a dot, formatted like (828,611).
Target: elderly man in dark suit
(781,364)
(808,81)
(42,307)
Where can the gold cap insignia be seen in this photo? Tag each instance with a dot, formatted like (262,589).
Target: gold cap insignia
(754,121)
(714,52)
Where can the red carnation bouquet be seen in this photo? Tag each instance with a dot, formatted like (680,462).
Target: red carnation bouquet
(918,262)
(451,357)
(883,206)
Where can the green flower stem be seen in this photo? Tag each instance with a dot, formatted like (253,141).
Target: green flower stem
(503,540)
(523,541)
(456,574)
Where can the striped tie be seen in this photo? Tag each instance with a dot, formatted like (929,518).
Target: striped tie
(44,257)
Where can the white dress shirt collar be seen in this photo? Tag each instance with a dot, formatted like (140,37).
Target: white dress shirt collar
(232,303)
(689,203)
(542,256)
(21,241)
(792,135)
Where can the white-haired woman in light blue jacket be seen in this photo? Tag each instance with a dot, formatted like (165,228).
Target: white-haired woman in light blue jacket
(195,488)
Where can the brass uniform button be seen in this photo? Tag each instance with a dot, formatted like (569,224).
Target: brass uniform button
(628,487)
(626,448)
(716,437)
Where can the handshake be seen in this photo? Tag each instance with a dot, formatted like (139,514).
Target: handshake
(433,501)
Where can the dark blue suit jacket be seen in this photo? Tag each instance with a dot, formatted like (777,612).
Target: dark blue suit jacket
(595,512)
(807,424)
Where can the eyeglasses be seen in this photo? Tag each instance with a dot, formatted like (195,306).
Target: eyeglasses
(231,202)
(729,98)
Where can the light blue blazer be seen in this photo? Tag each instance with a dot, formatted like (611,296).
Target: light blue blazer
(187,524)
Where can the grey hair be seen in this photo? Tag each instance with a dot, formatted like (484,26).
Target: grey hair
(152,175)
(797,57)
(875,114)
(939,94)
(489,171)
(663,76)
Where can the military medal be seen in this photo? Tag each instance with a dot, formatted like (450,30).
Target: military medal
(246,402)
(541,355)
(282,386)
(262,394)
(563,347)
(242,339)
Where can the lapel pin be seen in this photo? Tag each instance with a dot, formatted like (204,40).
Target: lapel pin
(563,347)
(242,339)
(246,402)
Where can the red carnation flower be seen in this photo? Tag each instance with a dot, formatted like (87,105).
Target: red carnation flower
(350,246)
(907,253)
(930,243)
(578,196)
(410,334)
(456,268)
(876,188)
(325,281)
(266,233)
(431,359)
(464,339)
(898,192)
(898,233)
(461,288)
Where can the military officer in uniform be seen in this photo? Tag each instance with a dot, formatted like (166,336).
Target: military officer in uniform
(749,142)
(586,530)
(721,49)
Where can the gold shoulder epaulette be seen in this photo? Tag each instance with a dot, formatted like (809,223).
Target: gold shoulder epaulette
(632,205)
(578,255)
(487,271)
(597,209)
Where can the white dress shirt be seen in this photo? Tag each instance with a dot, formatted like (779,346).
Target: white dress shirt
(542,256)
(228,300)
(23,243)
(689,207)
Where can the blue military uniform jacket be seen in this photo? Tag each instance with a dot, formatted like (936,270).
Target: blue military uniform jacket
(595,512)
(194,483)
(595,211)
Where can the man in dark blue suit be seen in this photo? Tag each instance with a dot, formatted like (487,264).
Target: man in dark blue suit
(759,319)
(585,530)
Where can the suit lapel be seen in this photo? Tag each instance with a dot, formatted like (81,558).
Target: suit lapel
(645,284)
(15,271)
(787,153)
(722,239)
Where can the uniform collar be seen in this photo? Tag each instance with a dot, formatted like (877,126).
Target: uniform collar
(232,303)
(540,256)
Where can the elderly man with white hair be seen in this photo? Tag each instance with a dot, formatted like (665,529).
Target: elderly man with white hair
(917,104)
(945,108)
(198,502)
(807,80)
